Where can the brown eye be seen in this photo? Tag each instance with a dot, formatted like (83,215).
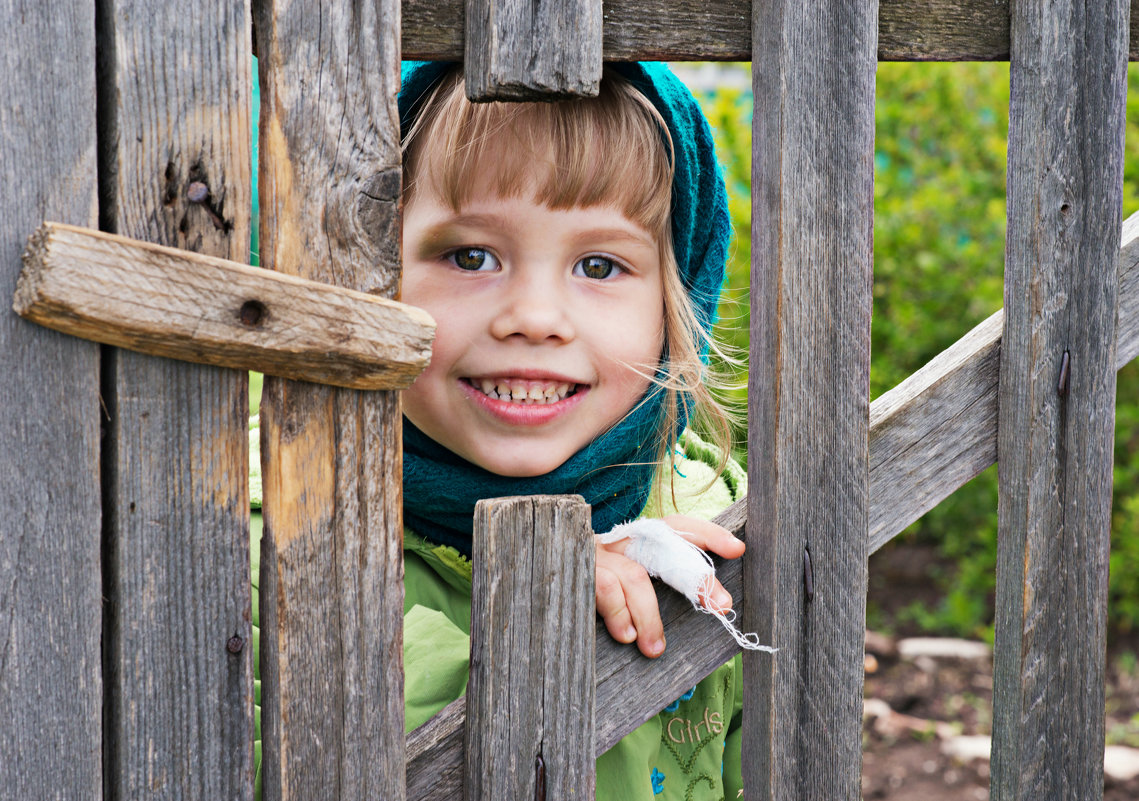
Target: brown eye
(474,259)
(596,267)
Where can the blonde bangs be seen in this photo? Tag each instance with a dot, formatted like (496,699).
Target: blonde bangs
(612,150)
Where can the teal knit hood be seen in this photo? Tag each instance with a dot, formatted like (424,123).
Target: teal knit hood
(613,473)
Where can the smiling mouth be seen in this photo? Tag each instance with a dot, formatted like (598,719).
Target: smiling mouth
(522,391)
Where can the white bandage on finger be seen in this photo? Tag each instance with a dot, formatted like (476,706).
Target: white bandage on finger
(659,549)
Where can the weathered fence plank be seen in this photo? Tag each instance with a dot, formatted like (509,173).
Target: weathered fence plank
(50,611)
(530,702)
(1057,397)
(719,30)
(196,308)
(532,49)
(179,678)
(331,590)
(805,570)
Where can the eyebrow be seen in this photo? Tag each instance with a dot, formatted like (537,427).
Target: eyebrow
(443,231)
(615,235)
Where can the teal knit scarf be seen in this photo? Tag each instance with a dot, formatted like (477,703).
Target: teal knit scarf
(614,473)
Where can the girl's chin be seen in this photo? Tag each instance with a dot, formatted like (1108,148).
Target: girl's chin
(516,470)
(523,462)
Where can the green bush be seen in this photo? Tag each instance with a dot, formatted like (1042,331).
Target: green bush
(939,227)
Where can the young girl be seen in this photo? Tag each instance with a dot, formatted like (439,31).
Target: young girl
(572,255)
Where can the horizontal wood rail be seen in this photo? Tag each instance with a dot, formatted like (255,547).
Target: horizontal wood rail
(720,30)
(183,305)
(928,436)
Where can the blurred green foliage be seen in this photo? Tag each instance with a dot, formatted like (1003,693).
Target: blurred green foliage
(939,227)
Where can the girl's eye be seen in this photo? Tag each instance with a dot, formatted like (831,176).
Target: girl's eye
(474,259)
(596,267)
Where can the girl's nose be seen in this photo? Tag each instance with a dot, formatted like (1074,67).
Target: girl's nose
(533,310)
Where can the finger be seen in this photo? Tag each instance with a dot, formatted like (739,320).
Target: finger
(639,599)
(611,606)
(707,535)
(717,598)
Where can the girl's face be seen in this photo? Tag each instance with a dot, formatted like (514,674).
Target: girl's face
(550,324)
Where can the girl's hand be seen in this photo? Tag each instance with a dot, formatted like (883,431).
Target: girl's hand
(626,599)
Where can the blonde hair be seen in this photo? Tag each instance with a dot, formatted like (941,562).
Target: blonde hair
(561,154)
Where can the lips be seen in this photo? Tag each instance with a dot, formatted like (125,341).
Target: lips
(523,391)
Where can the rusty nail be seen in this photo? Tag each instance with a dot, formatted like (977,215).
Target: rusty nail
(539,779)
(234,644)
(1062,386)
(197,192)
(808,576)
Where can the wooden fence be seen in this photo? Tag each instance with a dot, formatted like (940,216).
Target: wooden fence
(125,668)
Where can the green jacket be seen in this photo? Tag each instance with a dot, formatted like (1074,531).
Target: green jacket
(690,751)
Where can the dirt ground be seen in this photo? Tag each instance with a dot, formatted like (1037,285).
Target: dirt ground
(917,709)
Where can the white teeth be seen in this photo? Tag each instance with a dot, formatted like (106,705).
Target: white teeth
(520,392)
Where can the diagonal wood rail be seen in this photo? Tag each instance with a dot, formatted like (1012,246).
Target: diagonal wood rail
(928,436)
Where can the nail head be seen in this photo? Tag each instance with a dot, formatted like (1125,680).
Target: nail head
(197,192)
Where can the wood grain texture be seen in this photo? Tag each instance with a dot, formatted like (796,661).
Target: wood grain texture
(186,306)
(50,614)
(331,589)
(720,30)
(532,49)
(1127,327)
(174,110)
(928,436)
(1056,420)
(435,755)
(530,701)
(808,397)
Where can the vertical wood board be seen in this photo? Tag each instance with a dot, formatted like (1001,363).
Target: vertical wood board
(1057,396)
(50,615)
(174,129)
(530,702)
(812,194)
(331,589)
(532,49)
